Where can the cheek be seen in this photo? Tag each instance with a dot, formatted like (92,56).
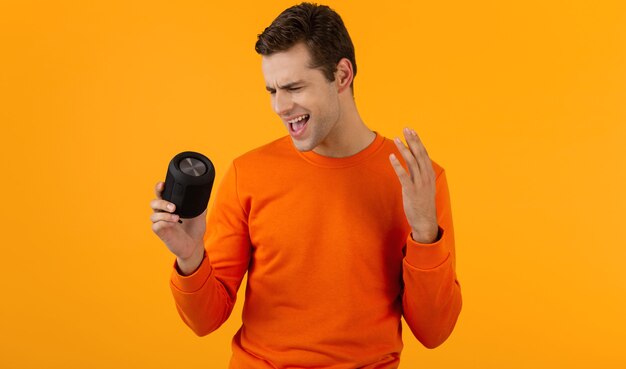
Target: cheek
(305,99)
(317,102)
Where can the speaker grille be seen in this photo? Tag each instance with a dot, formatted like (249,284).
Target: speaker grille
(192,167)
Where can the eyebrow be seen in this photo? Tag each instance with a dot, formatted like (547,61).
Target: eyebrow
(286,86)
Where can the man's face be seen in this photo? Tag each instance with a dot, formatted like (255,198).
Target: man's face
(306,102)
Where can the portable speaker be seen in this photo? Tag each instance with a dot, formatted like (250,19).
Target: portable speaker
(188,183)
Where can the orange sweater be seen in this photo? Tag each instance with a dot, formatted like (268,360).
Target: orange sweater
(330,260)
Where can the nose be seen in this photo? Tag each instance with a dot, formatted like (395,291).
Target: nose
(282,102)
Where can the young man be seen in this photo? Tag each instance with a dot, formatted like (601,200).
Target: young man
(336,248)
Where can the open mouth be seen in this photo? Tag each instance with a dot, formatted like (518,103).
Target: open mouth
(297,125)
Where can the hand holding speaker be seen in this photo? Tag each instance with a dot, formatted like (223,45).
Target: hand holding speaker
(185,194)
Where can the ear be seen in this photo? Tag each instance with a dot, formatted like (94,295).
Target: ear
(344,75)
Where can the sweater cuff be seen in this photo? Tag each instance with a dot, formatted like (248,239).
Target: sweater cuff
(427,256)
(193,282)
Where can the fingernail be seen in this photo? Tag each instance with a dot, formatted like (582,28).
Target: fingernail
(397,140)
(170,206)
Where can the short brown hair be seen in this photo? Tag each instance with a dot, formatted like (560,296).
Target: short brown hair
(319,27)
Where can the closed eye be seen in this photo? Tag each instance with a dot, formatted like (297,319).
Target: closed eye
(290,89)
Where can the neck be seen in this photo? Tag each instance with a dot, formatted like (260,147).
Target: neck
(349,136)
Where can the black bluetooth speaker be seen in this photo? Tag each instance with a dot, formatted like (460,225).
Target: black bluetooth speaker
(188,183)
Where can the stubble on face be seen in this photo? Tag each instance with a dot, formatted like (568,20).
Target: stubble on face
(313,95)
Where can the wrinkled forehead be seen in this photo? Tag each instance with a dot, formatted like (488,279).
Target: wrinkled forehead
(283,67)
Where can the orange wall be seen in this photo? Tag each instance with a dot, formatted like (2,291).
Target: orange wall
(522,102)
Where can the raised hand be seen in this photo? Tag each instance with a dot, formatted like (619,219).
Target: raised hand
(418,187)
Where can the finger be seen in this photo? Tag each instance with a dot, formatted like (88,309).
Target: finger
(158,189)
(417,149)
(413,144)
(408,158)
(403,176)
(164,217)
(162,205)
(426,166)
(160,227)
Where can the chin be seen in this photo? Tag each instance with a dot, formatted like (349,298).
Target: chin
(302,145)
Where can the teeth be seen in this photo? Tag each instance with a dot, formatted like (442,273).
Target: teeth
(298,119)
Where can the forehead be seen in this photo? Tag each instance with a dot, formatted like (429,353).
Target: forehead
(288,66)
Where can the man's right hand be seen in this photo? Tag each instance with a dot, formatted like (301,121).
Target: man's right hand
(185,240)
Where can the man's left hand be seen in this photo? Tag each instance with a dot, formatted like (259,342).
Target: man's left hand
(418,187)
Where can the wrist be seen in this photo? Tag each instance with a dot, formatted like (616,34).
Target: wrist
(189,265)
(425,236)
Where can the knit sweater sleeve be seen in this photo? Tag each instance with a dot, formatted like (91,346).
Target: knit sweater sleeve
(205,298)
(431,299)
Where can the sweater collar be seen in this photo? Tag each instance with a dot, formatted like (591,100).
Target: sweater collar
(329,162)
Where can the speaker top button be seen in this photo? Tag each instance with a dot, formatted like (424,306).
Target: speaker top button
(192,167)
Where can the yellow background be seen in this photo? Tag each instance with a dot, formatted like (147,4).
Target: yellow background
(522,102)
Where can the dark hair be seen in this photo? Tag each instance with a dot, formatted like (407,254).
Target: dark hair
(319,27)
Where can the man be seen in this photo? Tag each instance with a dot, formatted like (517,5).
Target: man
(335,248)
